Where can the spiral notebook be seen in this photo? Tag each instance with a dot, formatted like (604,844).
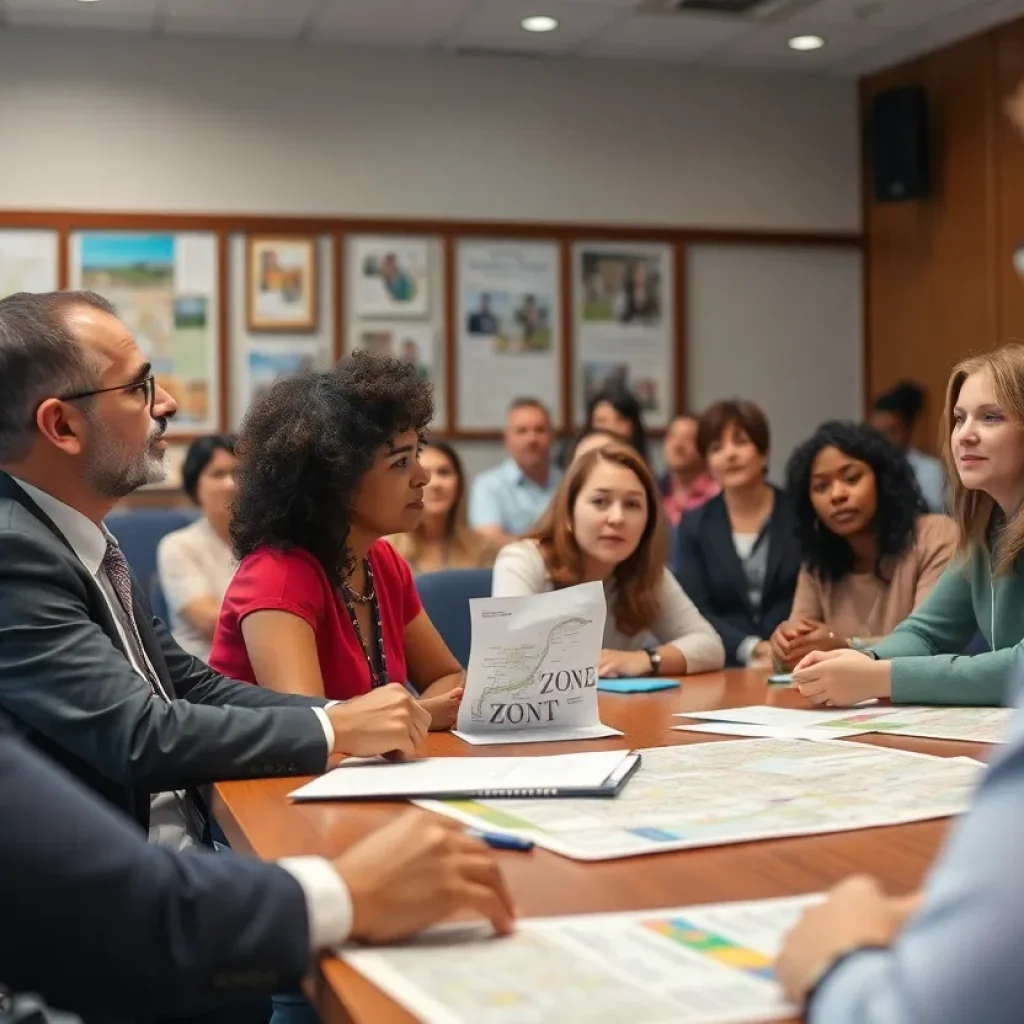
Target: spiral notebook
(595,773)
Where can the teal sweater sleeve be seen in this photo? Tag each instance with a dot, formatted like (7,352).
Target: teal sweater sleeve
(926,666)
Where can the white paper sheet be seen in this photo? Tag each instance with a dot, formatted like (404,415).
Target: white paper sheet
(711,794)
(815,733)
(782,718)
(583,732)
(533,668)
(686,965)
(966,725)
(369,778)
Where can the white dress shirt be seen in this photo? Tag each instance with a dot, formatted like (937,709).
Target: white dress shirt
(328,903)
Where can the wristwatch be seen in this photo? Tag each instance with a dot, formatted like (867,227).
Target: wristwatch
(652,653)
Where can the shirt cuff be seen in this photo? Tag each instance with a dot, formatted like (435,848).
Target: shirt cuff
(845,989)
(328,729)
(745,651)
(328,903)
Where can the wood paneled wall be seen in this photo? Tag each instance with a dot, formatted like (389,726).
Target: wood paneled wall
(940,282)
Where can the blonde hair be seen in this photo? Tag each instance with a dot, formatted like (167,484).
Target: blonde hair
(973,510)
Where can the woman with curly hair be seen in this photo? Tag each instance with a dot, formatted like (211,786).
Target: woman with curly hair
(870,552)
(605,523)
(320,604)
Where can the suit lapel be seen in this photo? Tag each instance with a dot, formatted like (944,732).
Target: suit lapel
(723,550)
(9,488)
(779,530)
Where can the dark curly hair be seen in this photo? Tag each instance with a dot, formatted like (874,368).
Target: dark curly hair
(900,503)
(307,443)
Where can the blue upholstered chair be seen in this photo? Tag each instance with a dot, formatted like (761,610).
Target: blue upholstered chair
(445,596)
(139,531)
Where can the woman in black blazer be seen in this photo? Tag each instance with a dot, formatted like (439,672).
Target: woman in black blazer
(737,556)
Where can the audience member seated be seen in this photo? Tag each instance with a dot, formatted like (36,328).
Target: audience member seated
(84,895)
(605,523)
(871,553)
(618,411)
(591,438)
(321,605)
(686,484)
(507,500)
(737,555)
(196,564)
(87,673)
(894,415)
(921,662)
(441,539)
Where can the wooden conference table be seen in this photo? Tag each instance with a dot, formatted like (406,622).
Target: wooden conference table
(258,819)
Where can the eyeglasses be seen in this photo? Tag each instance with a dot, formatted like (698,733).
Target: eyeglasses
(147,386)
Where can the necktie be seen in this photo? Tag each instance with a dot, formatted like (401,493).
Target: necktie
(115,565)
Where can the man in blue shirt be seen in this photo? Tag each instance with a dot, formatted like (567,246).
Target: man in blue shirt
(509,499)
(949,955)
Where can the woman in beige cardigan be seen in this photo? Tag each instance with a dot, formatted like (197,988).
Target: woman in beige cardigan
(870,550)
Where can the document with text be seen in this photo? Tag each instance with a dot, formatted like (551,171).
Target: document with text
(734,791)
(532,675)
(690,965)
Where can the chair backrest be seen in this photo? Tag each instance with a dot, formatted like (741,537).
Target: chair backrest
(445,596)
(140,531)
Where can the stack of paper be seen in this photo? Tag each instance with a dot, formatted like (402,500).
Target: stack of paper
(779,723)
(601,773)
(702,965)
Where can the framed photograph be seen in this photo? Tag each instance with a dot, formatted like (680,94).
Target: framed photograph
(625,325)
(509,320)
(165,288)
(391,277)
(282,284)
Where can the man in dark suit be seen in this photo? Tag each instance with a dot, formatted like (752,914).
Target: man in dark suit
(101,923)
(85,670)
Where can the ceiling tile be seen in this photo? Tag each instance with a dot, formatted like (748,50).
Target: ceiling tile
(495,24)
(241,10)
(897,14)
(767,47)
(666,36)
(379,19)
(116,15)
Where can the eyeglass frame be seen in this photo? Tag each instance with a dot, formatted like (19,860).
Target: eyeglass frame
(149,383)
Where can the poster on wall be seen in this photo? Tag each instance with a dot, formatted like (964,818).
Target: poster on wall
(28,262)
(281,284)
(509,336)
(625,325)
(392,277)
(164,288)
(413,344)
(265,365)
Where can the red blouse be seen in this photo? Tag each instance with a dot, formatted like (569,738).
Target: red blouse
(294,581)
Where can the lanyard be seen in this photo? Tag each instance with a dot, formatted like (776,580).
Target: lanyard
(378,675)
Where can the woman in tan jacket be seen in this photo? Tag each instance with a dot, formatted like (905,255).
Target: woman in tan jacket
(870,550)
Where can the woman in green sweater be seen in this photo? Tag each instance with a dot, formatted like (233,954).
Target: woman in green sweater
(983,589)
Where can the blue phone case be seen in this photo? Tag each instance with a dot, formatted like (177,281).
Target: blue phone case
(639,685)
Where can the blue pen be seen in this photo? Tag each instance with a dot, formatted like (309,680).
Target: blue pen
(500,841)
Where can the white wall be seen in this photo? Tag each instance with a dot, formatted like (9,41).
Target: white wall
(91,121)
(780,326)
(124,122)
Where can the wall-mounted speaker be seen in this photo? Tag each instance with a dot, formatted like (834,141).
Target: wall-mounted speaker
(898,144)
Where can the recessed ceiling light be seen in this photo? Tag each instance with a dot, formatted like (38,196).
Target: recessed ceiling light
(539,23)
(804,43)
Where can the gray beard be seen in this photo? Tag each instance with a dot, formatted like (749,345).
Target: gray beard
(114,472)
